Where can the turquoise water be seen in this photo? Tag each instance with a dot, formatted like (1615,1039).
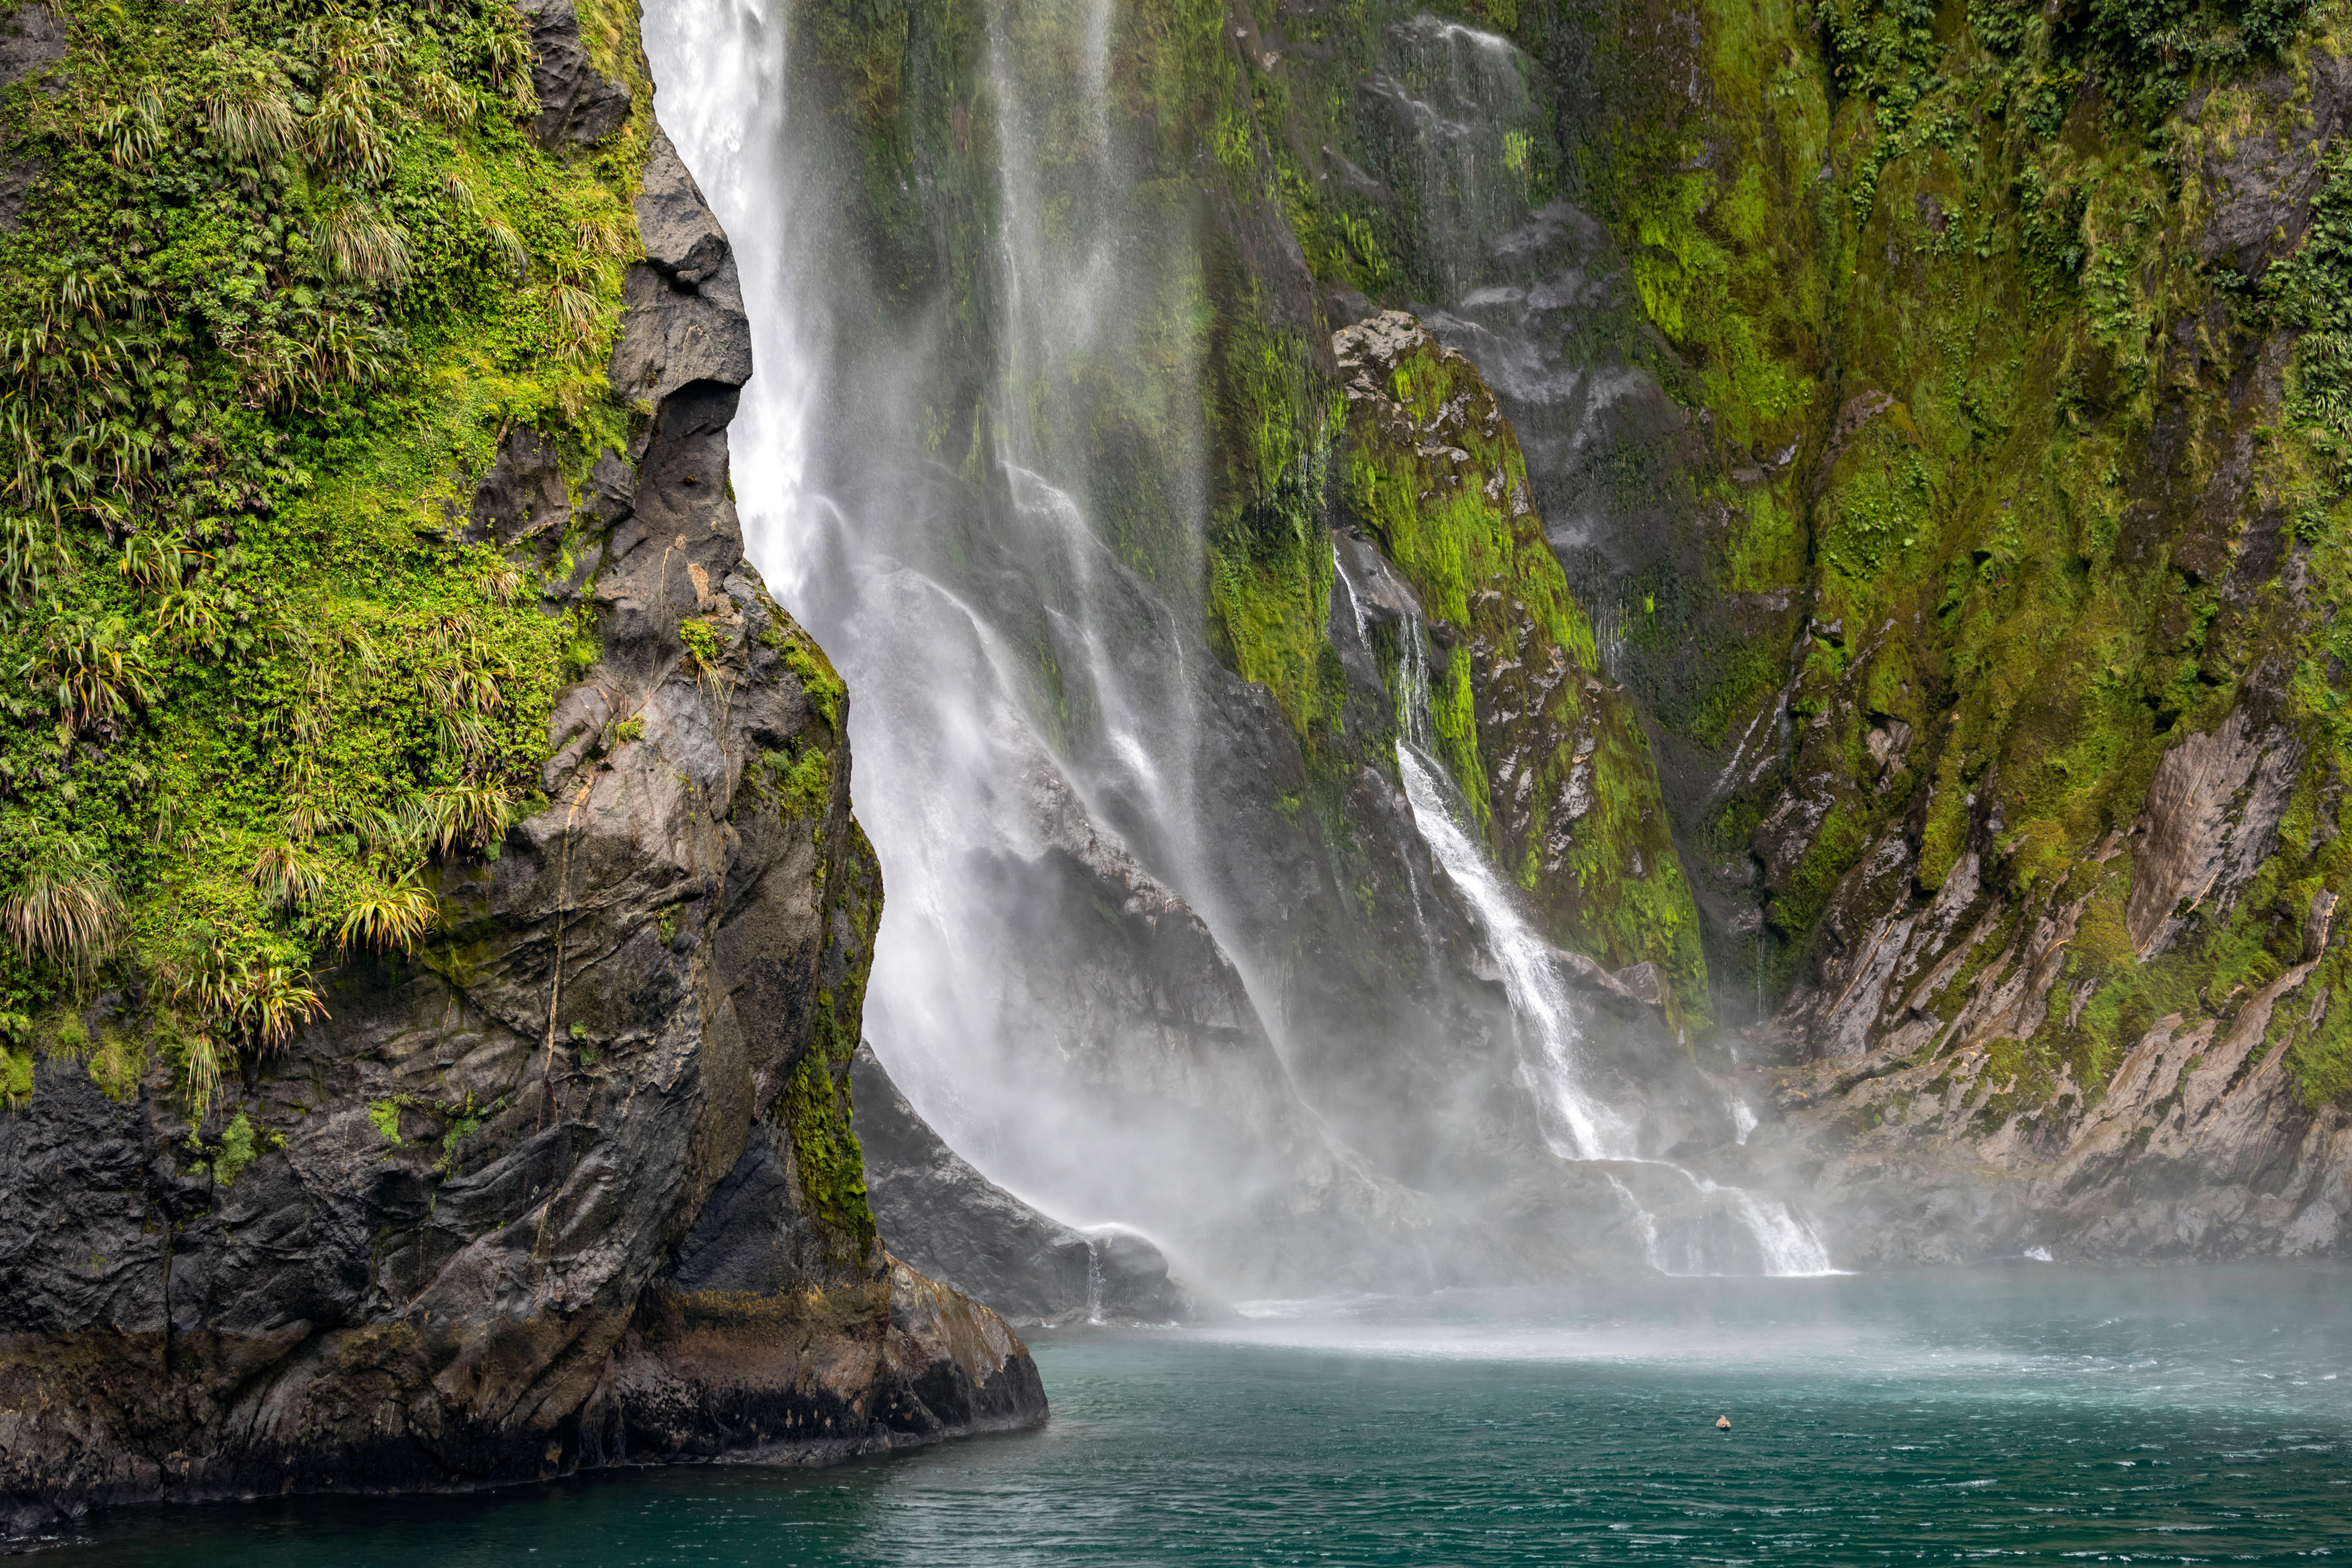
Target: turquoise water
(2026,1414)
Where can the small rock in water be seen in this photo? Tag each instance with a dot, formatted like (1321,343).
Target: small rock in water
(1723,1423)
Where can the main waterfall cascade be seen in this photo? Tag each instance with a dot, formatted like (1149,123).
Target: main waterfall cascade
(1089,976)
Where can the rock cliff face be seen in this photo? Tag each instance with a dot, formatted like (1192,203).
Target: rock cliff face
(2037,787)
(573,1181)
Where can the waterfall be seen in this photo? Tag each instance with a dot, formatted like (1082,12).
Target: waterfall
(1024,659)
(935,477)
(1576,1123)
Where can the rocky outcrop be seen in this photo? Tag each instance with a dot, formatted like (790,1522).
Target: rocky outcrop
(1948,1114)
(961,1229)
(2201,1148)
(2257,182)
(578,104)
(32,40)
(1552,763)
(572,1184)
(685,305)
(2211,810)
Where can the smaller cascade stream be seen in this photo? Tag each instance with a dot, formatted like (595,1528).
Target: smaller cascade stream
(1578,1124)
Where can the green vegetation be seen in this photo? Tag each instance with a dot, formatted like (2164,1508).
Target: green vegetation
(15,1077)
(803,786)
(1949,257)
(236,1151)
(1270,566)
(286,278)
(464,1122)
(827,694)
(815,1103)
(816,1107)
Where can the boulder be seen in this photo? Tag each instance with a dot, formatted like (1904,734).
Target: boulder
(962,1229)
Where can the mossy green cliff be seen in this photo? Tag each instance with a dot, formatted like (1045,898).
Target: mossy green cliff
(2018,460)
(283,281)
(436,931)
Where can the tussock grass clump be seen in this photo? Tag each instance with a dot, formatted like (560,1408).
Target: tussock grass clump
(64,912)
(286,276)
(359,246)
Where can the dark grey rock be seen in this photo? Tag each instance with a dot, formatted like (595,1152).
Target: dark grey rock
(32,40)
(962,1229)
(576,103)
(522,499)
(1643,982)
(682,237)
(684,321)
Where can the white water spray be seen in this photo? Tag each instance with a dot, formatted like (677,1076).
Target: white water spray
(1576,1125)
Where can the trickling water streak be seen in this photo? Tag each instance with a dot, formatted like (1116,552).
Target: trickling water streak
(1355,604)
(1790,1244)
(1463,101)
(1412,706)
(1609,640)
(1642,1221)
(1413,685)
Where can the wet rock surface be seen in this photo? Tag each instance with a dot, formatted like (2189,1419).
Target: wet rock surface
(959,1227)
(577,104)
(540,1198)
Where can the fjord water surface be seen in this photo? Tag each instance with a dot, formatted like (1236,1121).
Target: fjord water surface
(2021,1414)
